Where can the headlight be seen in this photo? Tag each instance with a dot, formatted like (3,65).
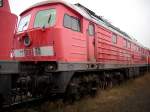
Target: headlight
(27,41)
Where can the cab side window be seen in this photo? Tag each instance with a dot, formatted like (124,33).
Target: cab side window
(67,21)
(75,24)
(1,3)
(91,30)
(72,23)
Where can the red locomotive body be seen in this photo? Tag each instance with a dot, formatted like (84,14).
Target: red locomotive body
(8,23)
(7,30)
(61,32)
(66,49)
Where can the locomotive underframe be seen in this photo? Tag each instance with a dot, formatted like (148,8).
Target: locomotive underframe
(29,79)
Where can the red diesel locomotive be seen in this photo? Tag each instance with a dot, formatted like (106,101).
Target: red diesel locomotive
(8,23)
(66,49)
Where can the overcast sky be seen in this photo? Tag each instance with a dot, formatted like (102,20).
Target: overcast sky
(131,16)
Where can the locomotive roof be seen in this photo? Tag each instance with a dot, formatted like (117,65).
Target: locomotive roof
(88,14)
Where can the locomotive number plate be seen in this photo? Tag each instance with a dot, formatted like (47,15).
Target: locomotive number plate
(28,52)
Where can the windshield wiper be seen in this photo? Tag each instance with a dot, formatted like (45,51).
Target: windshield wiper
(24,25)
(49,18)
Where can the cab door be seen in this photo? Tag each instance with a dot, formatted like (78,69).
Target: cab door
(91,42)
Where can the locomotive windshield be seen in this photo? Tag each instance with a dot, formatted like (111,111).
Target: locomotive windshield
(24,23)
(1,3)
(45,18)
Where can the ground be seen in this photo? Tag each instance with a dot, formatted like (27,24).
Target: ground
(131,96)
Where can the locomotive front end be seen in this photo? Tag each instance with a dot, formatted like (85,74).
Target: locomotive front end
(35,48)
(36,31)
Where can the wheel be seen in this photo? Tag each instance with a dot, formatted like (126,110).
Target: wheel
(73,91)
(94,88)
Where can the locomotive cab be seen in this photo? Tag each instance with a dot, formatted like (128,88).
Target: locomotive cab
(50,31)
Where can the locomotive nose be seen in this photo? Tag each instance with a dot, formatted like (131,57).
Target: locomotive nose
(34,44)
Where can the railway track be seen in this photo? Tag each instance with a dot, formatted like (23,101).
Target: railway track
(30,103)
